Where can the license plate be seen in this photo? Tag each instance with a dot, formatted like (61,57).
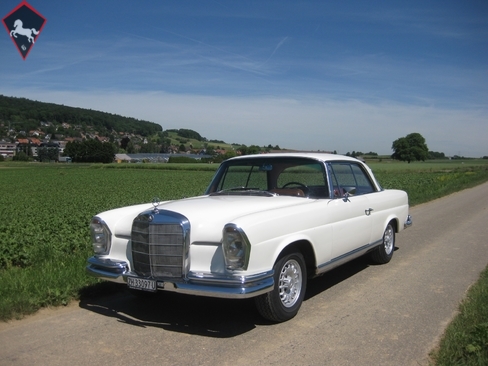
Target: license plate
(141,284)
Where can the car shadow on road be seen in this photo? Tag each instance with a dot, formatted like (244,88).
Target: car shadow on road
(204,316)
(331,278)
(210,317)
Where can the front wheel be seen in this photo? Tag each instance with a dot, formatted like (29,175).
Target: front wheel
(384,252)
(284,301)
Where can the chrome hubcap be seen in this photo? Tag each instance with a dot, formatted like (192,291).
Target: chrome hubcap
(389,239)
(290,283)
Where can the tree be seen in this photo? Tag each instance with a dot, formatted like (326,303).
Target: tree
(210,150)
(130,148)
(189,134)
(410,148)
(354,154)
(20,156)
(149,148)
(436,155)
(165,145)
(249,150)
(48,153)
(90,151)
(124,142)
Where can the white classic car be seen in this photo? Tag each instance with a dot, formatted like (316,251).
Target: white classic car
(265,224)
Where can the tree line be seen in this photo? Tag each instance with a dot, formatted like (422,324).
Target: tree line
(91,151)
(27,114)
(413,147)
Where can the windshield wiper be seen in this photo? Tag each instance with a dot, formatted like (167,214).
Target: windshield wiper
(245,191)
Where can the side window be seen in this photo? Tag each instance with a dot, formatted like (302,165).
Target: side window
(350,178)
(363,183)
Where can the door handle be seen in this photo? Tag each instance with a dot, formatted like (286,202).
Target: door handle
(368,211)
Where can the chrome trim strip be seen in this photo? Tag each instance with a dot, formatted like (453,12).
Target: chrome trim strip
(225,287)
(228,279)
(106,268)
(100,273)
(204,284)
(111,265)
(335,262)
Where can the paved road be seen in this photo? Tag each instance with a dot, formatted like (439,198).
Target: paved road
(356,315)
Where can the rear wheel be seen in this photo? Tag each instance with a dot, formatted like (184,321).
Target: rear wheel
(384,252)
(284,301)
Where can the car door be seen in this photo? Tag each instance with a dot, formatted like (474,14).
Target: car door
(351,209)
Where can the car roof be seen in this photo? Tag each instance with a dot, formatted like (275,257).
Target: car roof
(309,155)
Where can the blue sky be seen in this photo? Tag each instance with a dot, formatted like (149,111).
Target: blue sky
(314,75)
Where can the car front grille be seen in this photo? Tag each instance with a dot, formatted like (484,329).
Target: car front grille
(159,245)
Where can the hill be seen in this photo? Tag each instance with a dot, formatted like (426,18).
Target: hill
(26,115)
(22,118)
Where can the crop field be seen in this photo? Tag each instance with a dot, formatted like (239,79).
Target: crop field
(425,181)
(46,210)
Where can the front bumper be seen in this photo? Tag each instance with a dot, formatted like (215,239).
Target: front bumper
(202,284)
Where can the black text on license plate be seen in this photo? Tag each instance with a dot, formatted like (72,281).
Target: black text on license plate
(141,284)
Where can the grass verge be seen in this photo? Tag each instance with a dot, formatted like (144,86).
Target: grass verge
(465,341)
(52,282)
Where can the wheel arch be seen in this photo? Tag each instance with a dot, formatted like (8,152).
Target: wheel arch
(306,249)
(394,221)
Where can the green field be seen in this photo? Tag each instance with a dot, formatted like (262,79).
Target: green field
(425,181)
(46,210)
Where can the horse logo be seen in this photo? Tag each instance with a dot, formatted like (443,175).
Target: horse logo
(23,31)
(24,15)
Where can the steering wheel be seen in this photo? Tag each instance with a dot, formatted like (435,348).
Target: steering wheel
(300,185)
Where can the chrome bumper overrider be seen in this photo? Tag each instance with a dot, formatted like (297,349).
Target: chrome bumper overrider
(408,221)
(203,284)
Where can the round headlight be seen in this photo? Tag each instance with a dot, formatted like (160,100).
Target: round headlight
(236,248)
(100,235)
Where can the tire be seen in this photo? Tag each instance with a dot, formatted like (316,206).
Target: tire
(284,301)
(384,252)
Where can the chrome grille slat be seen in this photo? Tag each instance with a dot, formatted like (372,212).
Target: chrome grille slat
(158,247)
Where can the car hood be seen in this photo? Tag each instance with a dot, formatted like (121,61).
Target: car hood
(207,214)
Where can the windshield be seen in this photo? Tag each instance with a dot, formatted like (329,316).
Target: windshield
(299,177)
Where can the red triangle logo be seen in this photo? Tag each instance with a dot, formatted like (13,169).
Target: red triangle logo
(24,25)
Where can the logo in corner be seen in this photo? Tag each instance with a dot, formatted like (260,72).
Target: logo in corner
(24,24)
